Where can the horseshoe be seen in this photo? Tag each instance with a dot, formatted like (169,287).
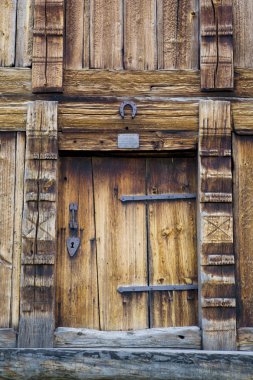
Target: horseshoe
(125,104)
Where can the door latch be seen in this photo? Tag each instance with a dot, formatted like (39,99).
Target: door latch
(73,241)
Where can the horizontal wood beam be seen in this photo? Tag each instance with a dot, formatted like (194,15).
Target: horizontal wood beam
(242,117)
(180,118)
(151,116)
(108,141)
(172,337)
(97,83)
(169,83)
(13,116)
(127,364)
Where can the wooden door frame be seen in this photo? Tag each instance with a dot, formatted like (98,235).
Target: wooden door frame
(52,139)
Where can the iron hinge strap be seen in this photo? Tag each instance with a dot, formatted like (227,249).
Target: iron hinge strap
(156,197)
(155,288)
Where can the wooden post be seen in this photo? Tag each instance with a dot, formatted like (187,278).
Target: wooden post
(39,227)
(216,59)
(47,68)
(215,223)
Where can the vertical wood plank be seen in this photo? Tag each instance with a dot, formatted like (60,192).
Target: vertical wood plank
(7,32)
(243,186)
(216,53)
(24,39)
(243,33)
(106,34)
(140,45)
(177,34)
(47,69)
(76,285)
(77,34)
(215,228)
(39,227)
(17,237)
(172,241)
(121,242)
(7,185)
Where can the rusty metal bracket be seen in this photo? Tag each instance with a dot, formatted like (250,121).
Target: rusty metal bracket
(127,104)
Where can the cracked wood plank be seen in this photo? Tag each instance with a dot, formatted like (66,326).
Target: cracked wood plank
(216,55)
(172,337)
(47,68)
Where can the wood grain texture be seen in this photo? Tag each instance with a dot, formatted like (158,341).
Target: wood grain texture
(98,364)
(242,113)
(108,141)
(39,227)
(169,83)
(15,81)
(106,34)
(245,339)
(8,338)
(216,55)
(215,228)
(24,31)
(7,32)
(172,241)
(7,191)
(243,174)
(140,44)
(77,34)
(242,25)
(47,69)
(151,115)
(173,337)
(121,242)
(13,116)
(76,282)
(177,34)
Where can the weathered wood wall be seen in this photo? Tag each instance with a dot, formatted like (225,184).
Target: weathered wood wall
(164,55)
(150,35)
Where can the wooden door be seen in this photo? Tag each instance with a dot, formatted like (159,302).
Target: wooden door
(140,243)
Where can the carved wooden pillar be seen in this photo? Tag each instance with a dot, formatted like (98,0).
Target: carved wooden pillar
(215,228)
(47,63)
(39,227)
(216,53)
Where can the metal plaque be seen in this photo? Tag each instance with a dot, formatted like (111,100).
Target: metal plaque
(128,141)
